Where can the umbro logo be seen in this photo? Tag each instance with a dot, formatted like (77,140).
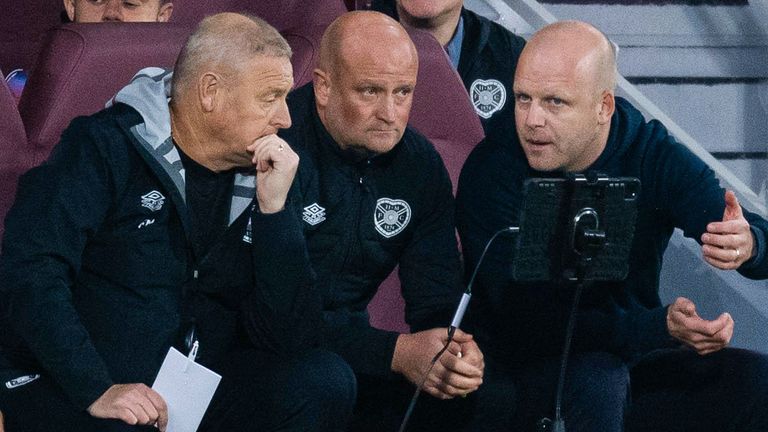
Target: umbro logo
(313,214)
(153,200)
(20,381)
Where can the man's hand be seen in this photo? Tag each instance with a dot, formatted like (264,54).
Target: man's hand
(685,325)
(276,166)
(728,244)
(453,374)
(135,404)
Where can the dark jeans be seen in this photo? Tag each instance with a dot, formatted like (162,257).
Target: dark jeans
(258,392)
(679,390)
(381,406)
(517,398)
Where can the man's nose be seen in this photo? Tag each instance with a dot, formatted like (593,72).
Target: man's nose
(282,117)
(535,116)
(112,11)
(387,109)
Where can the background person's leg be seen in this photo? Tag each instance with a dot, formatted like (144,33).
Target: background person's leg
(679,390)
(595,397)
(260,391)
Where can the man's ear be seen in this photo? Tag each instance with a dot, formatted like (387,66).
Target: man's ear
(166,10)
(210,91)
(69,7)
(607,107)
(322,86)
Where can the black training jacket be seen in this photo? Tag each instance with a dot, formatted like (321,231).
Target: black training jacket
(364,217)
(524,322)
(97,275)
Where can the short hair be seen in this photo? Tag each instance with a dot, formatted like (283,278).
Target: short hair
(226,39)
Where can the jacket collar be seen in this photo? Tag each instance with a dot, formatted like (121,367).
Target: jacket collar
(149,93)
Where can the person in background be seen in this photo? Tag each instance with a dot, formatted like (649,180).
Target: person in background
(91,11)
(483,52)
(94,11)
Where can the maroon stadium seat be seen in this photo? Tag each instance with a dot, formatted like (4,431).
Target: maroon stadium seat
(443,113)
(84,65)
(282,14)
(305,43)
(301,22)
(23,25)
(14,150)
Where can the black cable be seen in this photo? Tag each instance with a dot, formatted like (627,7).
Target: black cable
(452,328)
(559,425)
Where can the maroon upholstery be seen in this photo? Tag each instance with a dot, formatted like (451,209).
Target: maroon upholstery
(282,14)
(305,43)
(13,148)
(84,65)
(443,113)
(23,25)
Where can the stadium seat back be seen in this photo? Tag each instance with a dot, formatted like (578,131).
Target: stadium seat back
(82,66)
(13,147)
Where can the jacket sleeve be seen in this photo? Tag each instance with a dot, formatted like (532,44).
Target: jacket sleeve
(695,199)
(690,197)
(59,205)
(430,270)
(284,312)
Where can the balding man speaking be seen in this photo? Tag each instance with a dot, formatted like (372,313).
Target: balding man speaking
(683,377)
(161,221)
(374,194)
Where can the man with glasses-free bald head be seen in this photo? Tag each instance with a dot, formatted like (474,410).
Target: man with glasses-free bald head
(374,194)
(683,376)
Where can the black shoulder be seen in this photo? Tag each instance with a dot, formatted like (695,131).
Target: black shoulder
(420,146)
(102,132)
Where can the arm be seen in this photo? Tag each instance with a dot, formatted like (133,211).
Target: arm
(735,242)
(283,313)
(691,199)
(431,285)
(58,206)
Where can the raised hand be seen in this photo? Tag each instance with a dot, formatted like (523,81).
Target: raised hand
(276,166)
(728,244)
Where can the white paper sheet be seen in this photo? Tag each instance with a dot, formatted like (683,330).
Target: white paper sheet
(187,390)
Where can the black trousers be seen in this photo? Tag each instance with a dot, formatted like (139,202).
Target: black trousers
(258,392)
(382,403)
(517,398)
(509,399)
(679,390)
